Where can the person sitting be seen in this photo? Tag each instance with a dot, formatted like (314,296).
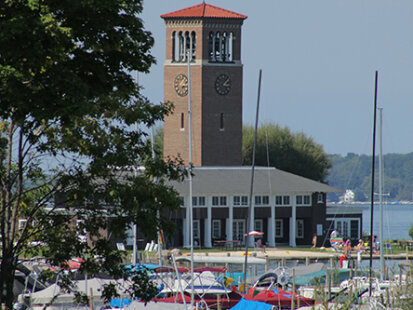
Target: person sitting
(360,246)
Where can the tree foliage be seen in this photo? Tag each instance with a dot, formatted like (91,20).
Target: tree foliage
(353,172)
(280,148)
(67,115)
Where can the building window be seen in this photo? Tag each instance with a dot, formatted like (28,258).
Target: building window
(220,46)
(81,231)
(219,200)
(215,201)
(347,228)
(262,200)
(258,225)
(303,200)
(279,228)
(182,120)
(182,200)
(221,122)
(198,201)
(216,229)
(236,200)
(282,200)
(240,200)
(238,229)
(300,229)
(182,45)
(174,46)
(22,223)
(193,45)
(195,226)
(320,198)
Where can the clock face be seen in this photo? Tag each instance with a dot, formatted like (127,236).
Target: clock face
(181,85)
(223,84)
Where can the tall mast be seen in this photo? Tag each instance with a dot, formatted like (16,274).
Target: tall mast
(372,184)
(249,215)
(381,192)
(191,224)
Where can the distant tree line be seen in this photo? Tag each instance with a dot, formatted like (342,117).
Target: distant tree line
(353,172)
(278,147)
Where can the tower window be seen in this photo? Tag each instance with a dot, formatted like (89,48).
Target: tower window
(175,49)
(187,46)
(193,45)
(211,44)
(220,46)
(182,45)
(182,121)
(221,122)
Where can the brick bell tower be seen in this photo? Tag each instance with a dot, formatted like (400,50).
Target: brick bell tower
(211,38)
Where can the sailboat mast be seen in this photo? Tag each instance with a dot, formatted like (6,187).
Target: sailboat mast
(249,215)
(372,183)
(381,192)
(191,219)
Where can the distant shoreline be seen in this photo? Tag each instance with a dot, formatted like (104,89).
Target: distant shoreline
(368,203)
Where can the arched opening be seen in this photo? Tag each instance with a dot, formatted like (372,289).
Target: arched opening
(181,46)
(230,46)
(175,50)
(211,44)
(224,48)
(187,45)
(193,45)
(217,47)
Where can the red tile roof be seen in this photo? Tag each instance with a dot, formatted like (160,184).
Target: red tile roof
(204,10)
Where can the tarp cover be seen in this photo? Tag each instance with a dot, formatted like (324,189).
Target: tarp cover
(244,304)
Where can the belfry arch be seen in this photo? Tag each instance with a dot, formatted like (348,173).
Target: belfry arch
(182,43)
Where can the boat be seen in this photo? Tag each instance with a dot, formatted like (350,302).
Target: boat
(59,299)
(268,289)
(210,286)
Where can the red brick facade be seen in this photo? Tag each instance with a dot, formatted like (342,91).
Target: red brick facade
(216,118)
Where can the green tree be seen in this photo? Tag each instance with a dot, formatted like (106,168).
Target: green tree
(411,232)
(68,148)
(292,152)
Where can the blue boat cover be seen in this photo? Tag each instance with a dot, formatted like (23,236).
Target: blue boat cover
(120,303)
(244,304)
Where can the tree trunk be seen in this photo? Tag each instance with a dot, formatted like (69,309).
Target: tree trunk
(7,270)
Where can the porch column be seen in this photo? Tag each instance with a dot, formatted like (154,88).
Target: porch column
(208,221)
(230,223)
(293,220)
(271,228)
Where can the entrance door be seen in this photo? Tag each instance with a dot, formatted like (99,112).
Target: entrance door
(238,229)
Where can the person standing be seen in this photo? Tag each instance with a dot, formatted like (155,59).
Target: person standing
(314,241)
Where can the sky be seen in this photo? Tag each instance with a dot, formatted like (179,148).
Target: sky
(318,61)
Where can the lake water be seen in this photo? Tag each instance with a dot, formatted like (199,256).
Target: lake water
(397,220)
